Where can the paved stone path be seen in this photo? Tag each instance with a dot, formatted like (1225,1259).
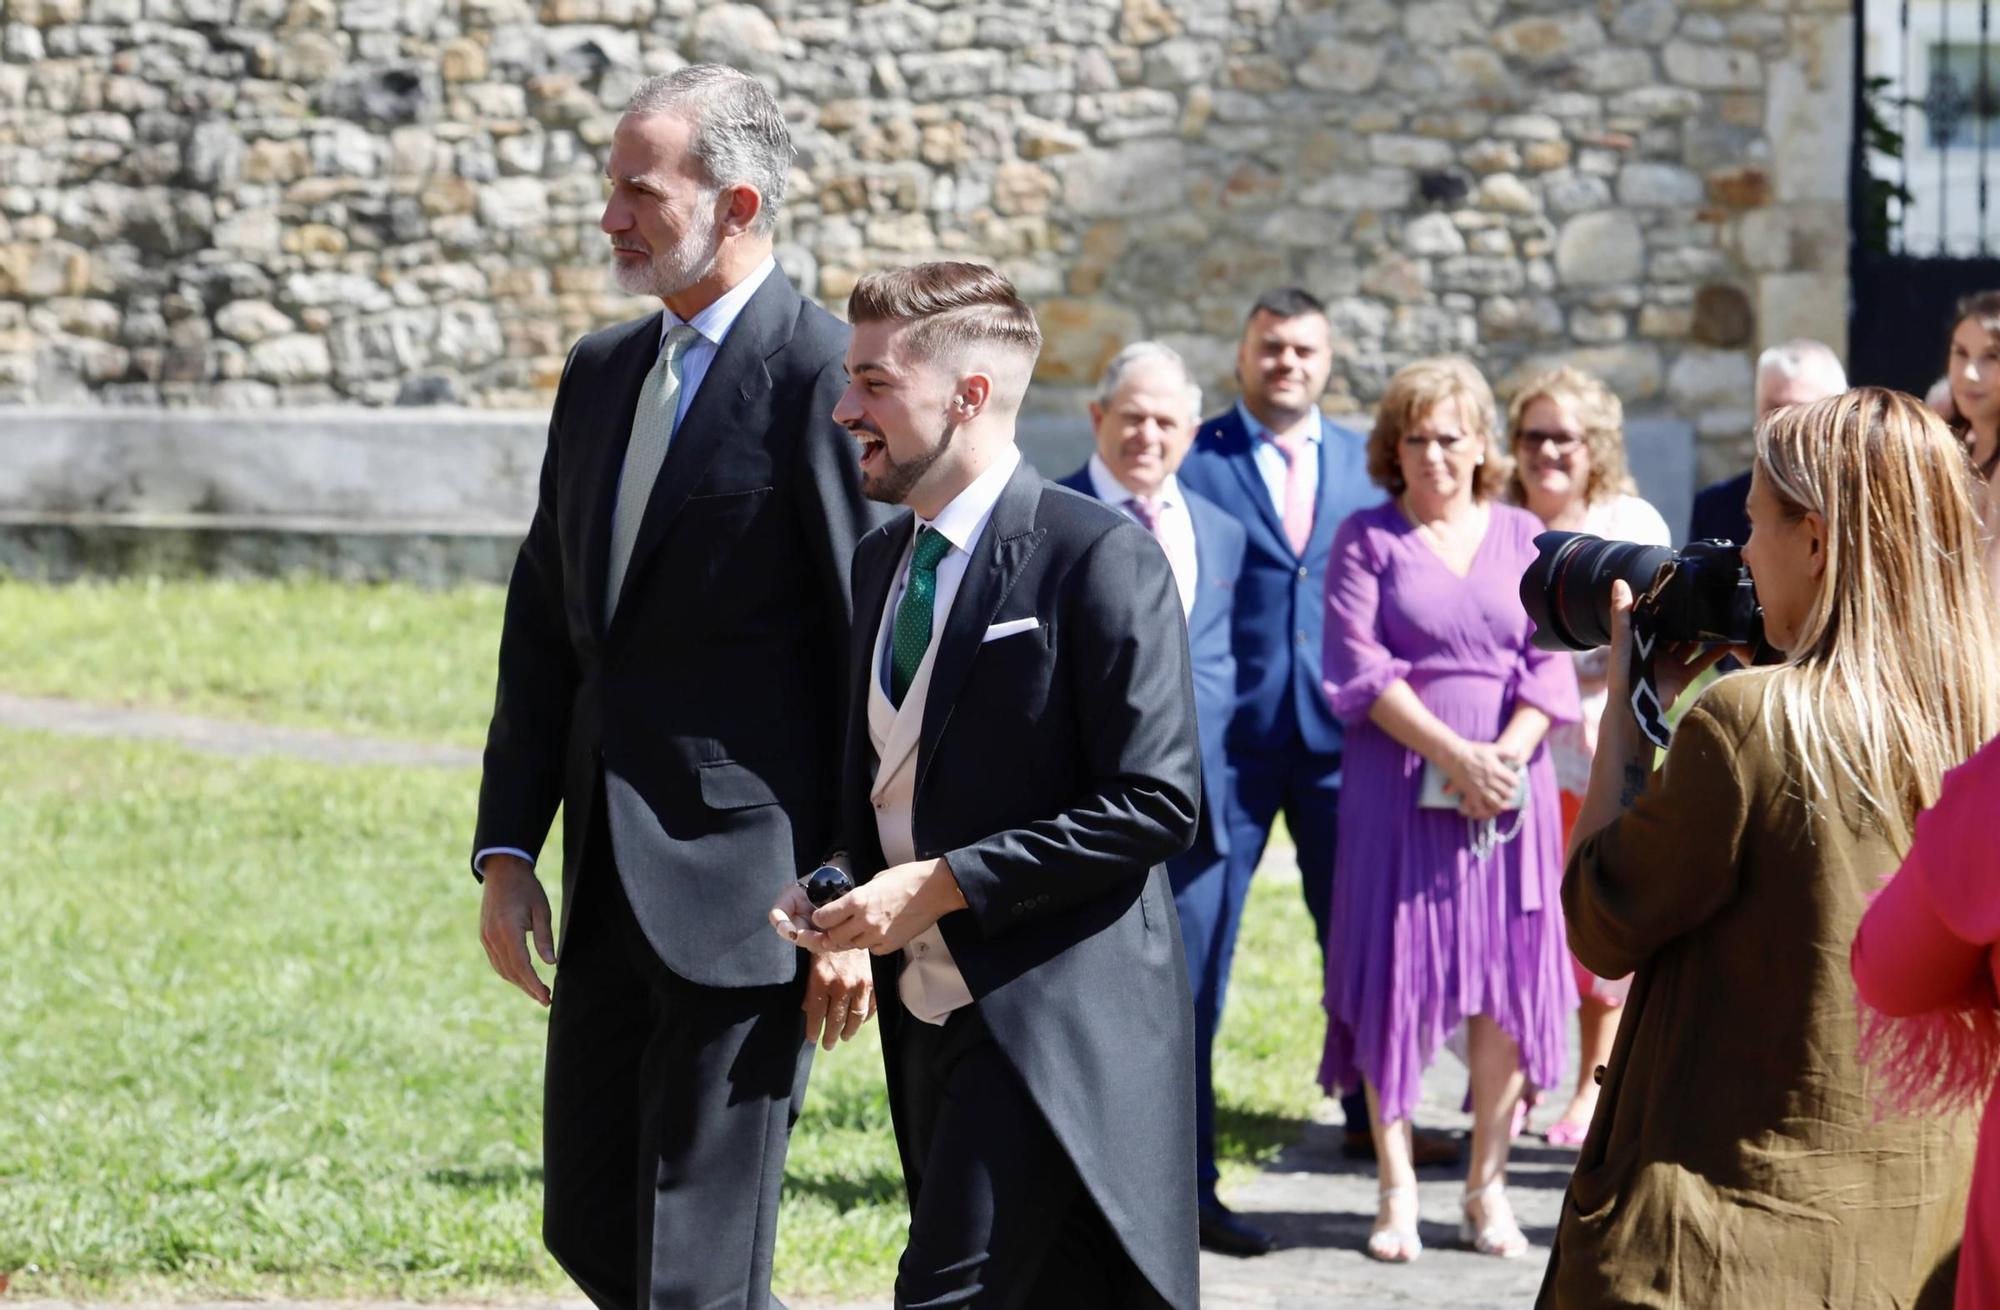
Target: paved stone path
(1319,1205)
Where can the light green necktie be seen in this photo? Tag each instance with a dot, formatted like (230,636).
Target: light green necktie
(652,429)
(911,636)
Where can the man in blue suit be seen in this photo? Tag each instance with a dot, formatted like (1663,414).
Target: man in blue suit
(1797,372)
(1144,419)
(1289,476)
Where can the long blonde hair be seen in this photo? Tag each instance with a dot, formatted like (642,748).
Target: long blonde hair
(1895,674)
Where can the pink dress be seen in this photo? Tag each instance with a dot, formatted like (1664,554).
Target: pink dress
(1925,964)
(1426,933)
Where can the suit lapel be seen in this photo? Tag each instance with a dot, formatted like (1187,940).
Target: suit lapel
(1009,540)
(1332,472)
(630,361)
(1207,571)
(1243,461)
(734,402)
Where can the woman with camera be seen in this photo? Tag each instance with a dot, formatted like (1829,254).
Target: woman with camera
(1567,432)
(1735,1158)
(1444,895)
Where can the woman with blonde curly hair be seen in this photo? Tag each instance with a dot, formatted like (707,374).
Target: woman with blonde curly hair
(1566,430)
(1736,1157)
(1444,894)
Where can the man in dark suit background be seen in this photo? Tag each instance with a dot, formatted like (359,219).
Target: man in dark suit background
(1795,373)
(1022,756)
(1289,475)
(1143,421)
(672,670)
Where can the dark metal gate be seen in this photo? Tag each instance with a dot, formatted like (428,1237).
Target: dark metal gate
(1922,201)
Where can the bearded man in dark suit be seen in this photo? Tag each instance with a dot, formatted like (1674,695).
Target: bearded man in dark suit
(673,673)
(1022,758)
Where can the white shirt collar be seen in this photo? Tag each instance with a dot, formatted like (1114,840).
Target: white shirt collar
(1259,432)
(1113,492)
(721,314)
(961,520)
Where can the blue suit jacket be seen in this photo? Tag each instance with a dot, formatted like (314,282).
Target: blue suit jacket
(1218,554)
(1281,595)
(1720,513)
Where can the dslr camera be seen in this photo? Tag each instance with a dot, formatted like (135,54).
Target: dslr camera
(1702,593)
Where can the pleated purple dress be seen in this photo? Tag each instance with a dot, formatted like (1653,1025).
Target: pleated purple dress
(1424,933)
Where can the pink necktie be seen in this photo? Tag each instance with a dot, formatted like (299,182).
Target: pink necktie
(1299,492)
(1147,512)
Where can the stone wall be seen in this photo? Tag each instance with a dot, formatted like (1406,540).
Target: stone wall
(255,203)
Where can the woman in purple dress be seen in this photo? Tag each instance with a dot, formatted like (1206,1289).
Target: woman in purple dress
(1443,915)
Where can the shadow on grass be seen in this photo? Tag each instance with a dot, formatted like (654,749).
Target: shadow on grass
(1254,1136)
(848,1192)
(492,1176)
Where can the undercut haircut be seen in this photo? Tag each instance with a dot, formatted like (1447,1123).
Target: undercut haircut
(738,139)
(952,308)
(1286,302)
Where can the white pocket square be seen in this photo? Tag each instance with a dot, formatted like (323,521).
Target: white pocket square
(1009,628)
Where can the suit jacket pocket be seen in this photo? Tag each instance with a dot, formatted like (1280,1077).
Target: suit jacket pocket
(727,785)
(722,536)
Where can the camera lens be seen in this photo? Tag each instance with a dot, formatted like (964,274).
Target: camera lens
(1567,590)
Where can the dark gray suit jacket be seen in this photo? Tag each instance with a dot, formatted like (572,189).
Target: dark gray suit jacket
(713,703)
(1056,770)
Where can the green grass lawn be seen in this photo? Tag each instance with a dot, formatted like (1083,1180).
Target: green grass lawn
(251,1045)
(391,661)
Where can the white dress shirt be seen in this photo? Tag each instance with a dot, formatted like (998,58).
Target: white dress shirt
(961,522)
(1176,525)
(1271,465)
(930,985)
(712,324)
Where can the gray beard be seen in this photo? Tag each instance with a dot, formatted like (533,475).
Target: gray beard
(672,271)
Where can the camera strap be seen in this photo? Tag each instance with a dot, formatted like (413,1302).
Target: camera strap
(1646,709)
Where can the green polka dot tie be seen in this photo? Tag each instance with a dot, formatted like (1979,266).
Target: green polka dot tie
(911,636)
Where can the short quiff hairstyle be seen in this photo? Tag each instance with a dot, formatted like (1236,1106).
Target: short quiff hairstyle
(739,137)
(1596,409)
(1415,391)
(951,306)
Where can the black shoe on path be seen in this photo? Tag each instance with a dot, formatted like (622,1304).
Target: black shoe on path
(1226,1232)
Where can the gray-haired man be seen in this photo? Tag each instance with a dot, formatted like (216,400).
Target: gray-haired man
(1144,420)
(673,672)
(1795,373)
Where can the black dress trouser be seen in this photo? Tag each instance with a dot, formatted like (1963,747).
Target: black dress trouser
(666,1113)
(998,1216)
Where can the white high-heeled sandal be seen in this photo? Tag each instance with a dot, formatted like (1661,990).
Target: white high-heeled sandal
(1501,1238)
(1397,1244)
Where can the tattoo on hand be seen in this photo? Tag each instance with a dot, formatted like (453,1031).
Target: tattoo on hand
(1635,783)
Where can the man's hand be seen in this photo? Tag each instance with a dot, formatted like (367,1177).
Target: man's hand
(840,996)
(791,919)
(515,907)
(884,913)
